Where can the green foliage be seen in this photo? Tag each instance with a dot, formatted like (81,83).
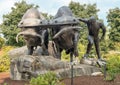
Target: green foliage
(46,79)
(11,20)
(5,84)
(4,63)
(114,22)
(81,50)
(83,11)
(114,45)
(2,42)
(65,57)
(113,66)
(4,58)
(104,46)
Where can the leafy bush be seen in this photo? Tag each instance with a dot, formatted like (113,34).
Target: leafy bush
(104,46)
(4,59)
(81,50)
(46,79)
(65,57)
(113,66)
(117,45)
(114,45)
(4,63)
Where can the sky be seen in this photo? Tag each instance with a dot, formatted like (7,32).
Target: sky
(51,6)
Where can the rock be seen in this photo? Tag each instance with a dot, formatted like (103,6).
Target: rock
(88,61)
(97,74)
(24,67)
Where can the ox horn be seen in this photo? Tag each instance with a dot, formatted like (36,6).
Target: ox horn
(66,29)
(27,33)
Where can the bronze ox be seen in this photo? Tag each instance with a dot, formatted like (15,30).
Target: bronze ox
(33,34)
(65,37)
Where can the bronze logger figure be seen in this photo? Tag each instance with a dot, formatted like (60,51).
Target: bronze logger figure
(93,28)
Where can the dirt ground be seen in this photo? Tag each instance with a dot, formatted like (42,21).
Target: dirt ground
(82,80)
(5,78)
(92,80)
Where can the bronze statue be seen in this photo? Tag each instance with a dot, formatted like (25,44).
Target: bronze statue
(93,27)
(33,34)
(66,34)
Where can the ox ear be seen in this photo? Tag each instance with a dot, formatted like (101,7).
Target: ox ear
(20,24)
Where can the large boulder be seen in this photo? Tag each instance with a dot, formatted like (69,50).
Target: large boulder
(26,66)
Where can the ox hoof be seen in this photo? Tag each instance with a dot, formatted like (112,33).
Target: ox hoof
(101,62)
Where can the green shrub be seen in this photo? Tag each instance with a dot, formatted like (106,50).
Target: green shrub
(5,84)
(81,51)
(4,59)
(104,46)
(65,57)
(114,45)
(46,79)
(113,66)
(4,63)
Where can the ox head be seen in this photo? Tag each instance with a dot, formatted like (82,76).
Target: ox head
(28,32)
(30,25)
(67,36)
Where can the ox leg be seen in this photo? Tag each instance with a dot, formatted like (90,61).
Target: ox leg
(57,51)
(45,50)
(30,50)
(76,37)
(45,42)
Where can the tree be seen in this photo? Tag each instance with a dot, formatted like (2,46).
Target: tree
(83,11)
(11,20)
(114,23)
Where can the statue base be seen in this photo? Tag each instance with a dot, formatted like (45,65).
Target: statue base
(24,67)
(89,61)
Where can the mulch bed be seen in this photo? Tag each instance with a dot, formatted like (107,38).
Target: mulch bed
(92,80)
(82,80)
(5,78)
